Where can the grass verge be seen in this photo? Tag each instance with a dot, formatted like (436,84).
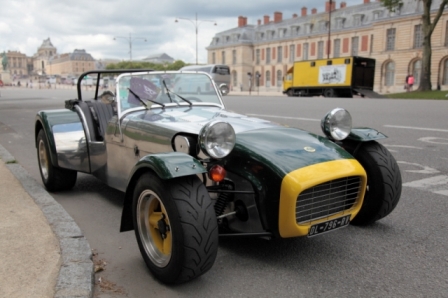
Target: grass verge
(441,95)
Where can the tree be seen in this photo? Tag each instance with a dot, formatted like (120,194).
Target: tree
(428,26)
(176,65)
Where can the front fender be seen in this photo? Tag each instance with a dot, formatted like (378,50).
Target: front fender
(364,134)
(170,165)
(166,166)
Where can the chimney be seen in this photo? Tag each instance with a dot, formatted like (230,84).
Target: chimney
(327,6)
(278,16)
(304,11)
(366,1)
(314,11)
(343,4)
(258,22)
(294,15)
(265,20)
(240,21)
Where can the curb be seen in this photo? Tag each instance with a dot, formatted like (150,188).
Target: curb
(76,275)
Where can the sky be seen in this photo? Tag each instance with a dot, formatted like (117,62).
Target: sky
(92,24)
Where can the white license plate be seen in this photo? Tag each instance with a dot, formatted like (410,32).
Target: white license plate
(328,226)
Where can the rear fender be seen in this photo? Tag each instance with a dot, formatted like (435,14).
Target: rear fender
(166,166)
(66,138)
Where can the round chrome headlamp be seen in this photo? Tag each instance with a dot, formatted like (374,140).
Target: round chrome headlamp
(337,124)
(217,139)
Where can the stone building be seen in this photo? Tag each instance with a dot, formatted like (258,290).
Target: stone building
(269,47)
(18,64)
(43,55)
(71,63)
(160,58)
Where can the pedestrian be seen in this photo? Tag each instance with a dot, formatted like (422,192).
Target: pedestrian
(406,86)
(410,82)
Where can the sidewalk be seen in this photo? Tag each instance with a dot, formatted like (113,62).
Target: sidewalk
(43,252)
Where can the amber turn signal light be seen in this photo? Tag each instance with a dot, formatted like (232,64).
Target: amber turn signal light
(217,173)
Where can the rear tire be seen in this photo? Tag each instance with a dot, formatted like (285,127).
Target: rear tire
(175,226)
(329,92)
(383,181)
(53,178)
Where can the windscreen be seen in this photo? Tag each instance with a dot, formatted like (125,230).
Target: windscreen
(158,89)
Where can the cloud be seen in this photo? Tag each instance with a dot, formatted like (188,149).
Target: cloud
(92,25)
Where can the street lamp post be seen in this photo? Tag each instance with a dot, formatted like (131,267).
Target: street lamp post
(196,24)
(329,30)
(130,39)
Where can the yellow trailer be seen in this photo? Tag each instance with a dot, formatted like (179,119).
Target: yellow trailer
(336,77)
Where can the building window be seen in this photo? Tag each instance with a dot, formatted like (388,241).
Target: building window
(282,32)
(295,30)
(234,79)
(355,45)
(213,58)
(279,78)
(320,49)
(418,36)
(279,54)
(416,70)
(257,56)
(233,56)
(268,78)
(357,20)
(390,39)
(445,72)
(308,28)
(292,52)
(323,26)
(390,74)
(305,51)
(446,33)
(268,55)
(337,48)
(339,23)
(377,14)
(223,57)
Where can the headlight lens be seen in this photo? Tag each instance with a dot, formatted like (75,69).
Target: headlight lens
(337,124)
(217,139)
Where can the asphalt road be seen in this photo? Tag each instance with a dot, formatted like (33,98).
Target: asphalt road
(403,255)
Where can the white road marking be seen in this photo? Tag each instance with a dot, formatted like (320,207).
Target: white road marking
(403,146)
(428,182)
(416,128)
(436,184)
(432,140)
(425,169)
(282,117)
(441,192)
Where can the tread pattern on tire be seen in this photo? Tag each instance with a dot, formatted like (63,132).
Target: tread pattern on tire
(202,239)
(381,165)
(193,224)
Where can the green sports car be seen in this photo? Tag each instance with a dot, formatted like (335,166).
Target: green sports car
(192,172)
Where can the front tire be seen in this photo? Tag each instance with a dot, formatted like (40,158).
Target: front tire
(175,226)
(383,181)
(53,178)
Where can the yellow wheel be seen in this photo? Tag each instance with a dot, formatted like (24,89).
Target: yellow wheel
(175,226)
(154,228)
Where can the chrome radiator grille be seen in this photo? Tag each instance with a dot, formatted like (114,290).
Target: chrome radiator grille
(327,199)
